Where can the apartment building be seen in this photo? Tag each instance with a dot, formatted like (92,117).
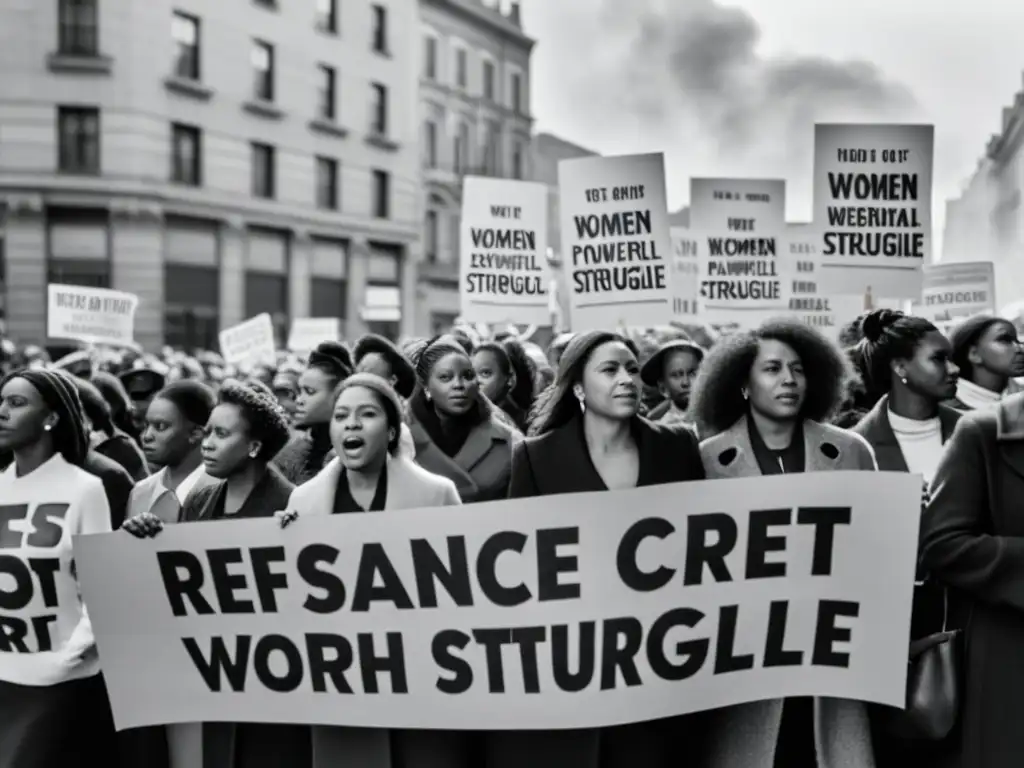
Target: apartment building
(474,78)
(219,159)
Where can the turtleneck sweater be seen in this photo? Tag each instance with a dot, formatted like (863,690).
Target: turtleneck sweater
(976,398)
(920,442)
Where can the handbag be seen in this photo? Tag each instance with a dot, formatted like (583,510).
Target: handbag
(934,686)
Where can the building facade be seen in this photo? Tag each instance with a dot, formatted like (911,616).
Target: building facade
(986,222)
(474,77)
(219,159)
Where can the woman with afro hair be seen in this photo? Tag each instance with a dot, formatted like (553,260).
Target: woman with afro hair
(762,399)
(246,429)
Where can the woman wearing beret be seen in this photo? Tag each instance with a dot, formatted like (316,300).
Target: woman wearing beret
(988,353)
(672,370)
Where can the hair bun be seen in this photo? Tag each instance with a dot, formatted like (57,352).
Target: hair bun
(878,322)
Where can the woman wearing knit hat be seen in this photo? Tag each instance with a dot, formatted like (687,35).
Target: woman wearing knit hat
(988,353)
(458,434)
(53,704)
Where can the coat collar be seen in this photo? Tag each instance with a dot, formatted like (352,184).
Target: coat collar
(269,495)
(734,453)
(877,428)
(402,486)
(478,444)
(1010,419)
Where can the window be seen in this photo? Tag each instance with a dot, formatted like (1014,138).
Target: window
(263,181)
(462,149)
(185,31)
(380,29)
(327,284)
(430,144)
(191,283)
(381,194)
(488,80)
(78,27)
(517,95)
(186,155)
(325,108)
(431,236)
(379,109)
(263,70)
(327,183)
(430,57)
(78,247)
(518,171)
(327,15)
(461,68)
(78,139)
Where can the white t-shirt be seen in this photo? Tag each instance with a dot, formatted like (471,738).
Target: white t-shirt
(47,627)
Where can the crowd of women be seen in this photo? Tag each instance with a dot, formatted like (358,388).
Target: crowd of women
(374,427)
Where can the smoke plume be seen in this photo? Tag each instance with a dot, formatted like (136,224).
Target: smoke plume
(700,59)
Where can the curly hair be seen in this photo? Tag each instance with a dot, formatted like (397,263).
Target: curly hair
(888,335)
(266,419)
(556,406)
(717,400)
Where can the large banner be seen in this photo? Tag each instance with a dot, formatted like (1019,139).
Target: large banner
(548,613)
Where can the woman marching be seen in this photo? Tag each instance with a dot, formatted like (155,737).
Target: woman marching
(368,475)
(457,432)
(989,355)
(244,432)
(307,452)
(587,436)
(908,368)
(53,704)
(762,397)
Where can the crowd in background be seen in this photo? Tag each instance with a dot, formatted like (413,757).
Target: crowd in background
(124,439)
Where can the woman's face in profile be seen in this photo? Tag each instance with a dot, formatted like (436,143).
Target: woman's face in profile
(22,414)
(611,381)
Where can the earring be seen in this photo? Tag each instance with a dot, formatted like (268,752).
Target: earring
(582,402)
(427,396)
(253,454)
(47,427)
(746,395)
(903,379)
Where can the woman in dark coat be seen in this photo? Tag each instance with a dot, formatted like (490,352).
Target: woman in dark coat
(587,436)
(908,369)
(972,540)
(245,431)
(457,432)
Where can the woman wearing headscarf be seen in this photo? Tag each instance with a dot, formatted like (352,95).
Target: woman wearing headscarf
(244,432)
(497,379)
(53,704)
(587,436)
(106,439)
(368,475)
(307,452)
(456,431)
(989,355)
(763,398)
(908,369)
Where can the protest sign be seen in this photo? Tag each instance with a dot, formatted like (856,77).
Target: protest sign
(544,613)
(503,265)
(92,315)
(615,240)
(740,224)
(307,332)
(685,275)
(955,291)
(250,342)
(873,206)
(807,301)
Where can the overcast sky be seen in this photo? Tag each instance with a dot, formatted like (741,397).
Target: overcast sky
(734,88)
